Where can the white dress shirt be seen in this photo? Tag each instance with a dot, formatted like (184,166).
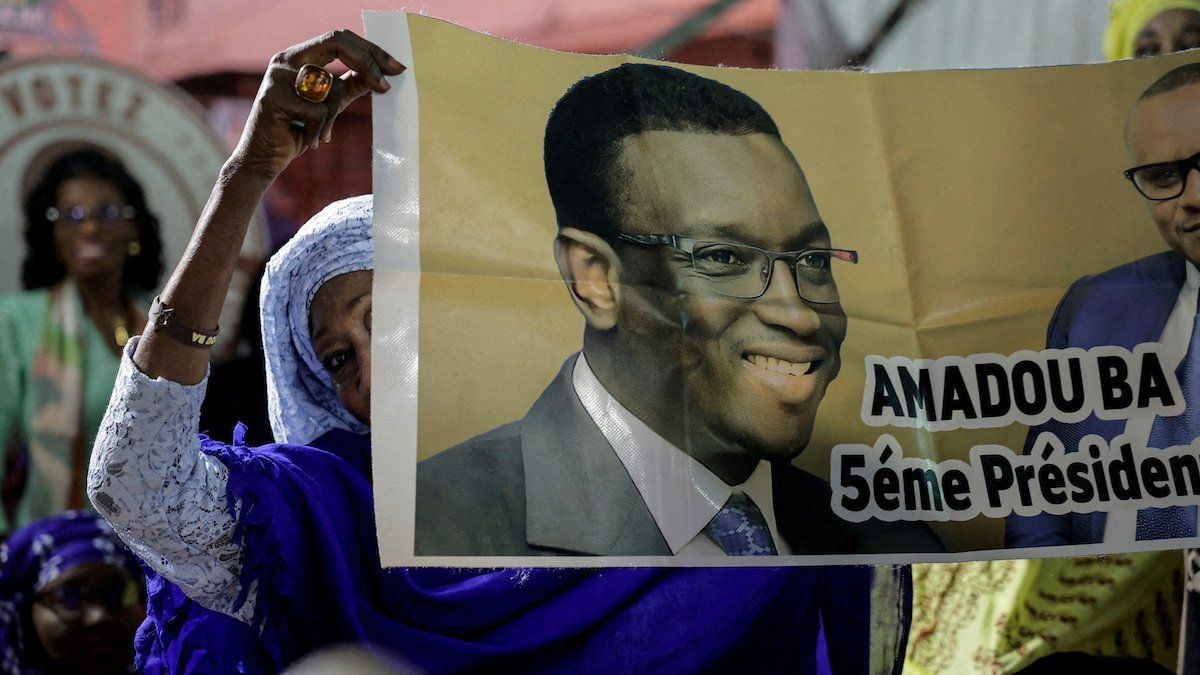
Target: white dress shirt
(681,494)
(1121,525)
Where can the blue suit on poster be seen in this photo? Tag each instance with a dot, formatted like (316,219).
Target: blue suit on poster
(1125,306)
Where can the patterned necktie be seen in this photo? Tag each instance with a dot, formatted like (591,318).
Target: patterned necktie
(740,529)
(1174,522)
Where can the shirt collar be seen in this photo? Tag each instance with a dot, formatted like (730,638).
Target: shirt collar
(680,493)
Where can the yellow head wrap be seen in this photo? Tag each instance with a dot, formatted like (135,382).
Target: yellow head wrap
(1127,18)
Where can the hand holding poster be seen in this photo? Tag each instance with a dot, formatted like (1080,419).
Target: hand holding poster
(814,307)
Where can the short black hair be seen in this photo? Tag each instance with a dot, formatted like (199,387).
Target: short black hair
(1188,73)
(42,267)
(582,143)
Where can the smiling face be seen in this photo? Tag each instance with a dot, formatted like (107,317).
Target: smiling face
(97,246)
(340,326)
(750,372)
(1170,31)
(1164,128)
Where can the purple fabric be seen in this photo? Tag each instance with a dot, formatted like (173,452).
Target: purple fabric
(320,583)
(823,667)
(36,555)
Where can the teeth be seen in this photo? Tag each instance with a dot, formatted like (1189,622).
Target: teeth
(90,250)
(779,365)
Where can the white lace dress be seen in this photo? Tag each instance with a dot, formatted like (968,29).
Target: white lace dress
(165,498)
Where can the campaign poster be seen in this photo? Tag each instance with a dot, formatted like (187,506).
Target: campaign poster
(637,313)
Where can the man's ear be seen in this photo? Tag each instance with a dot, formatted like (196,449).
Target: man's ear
(592,271)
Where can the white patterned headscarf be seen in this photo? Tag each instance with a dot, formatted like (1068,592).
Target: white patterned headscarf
(300,396)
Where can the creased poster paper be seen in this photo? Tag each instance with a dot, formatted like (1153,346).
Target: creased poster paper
(633,313)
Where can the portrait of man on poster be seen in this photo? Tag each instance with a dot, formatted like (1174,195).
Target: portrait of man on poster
(1153,299)
(691,244)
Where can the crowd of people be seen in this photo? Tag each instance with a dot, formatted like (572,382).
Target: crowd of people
(133,543)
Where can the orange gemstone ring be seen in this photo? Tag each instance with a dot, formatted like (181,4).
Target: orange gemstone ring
(313,83)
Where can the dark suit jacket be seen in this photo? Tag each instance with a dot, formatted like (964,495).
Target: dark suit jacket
(1125,306)
(551,484)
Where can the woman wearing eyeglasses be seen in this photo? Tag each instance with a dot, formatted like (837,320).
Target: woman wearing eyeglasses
(93,259)
(71,598)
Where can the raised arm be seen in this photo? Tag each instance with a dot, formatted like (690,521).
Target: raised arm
(147,476)
(282,125)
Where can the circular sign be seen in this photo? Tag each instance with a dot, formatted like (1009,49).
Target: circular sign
(49,105)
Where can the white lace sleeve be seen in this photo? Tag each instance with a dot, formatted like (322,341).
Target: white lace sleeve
(164,497)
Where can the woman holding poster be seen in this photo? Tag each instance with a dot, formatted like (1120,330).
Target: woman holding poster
(262,555)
